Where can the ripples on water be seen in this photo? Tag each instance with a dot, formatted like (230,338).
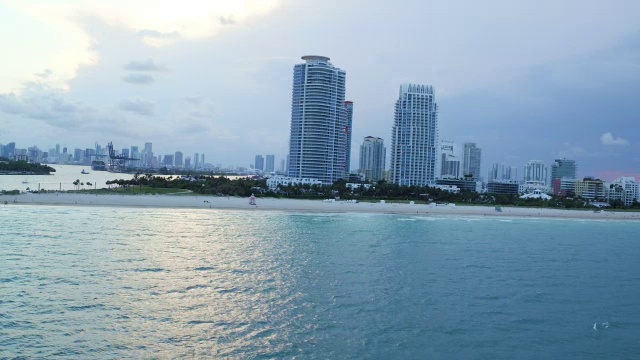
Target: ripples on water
(135,283)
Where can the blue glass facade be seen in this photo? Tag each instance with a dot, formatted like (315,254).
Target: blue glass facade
(348,106)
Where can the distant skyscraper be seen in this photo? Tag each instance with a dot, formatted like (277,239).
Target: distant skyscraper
(372,158)
(414,137)
(450,160)
(168,160)
(202,160)
(187,162)
(283,167)
(471,160)
(178,159)
(125,152)
(563,169)
(348,105)
(11,149)
(317,143)
(78,154)
(196,159)
(148,150)
(270,164)
(500,172)
(535,170)
(259,163)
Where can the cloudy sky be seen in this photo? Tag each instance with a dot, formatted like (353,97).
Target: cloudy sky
(532,79)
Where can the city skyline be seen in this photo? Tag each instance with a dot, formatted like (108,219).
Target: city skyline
(120,76)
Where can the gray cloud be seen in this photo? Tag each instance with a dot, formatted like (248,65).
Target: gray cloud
(226,20)
(10,104)
(145,65)
(45,74)
(140,79)
(609,139)
(40,101)
(137,106)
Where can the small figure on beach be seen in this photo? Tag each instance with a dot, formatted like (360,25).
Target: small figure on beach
(252,200)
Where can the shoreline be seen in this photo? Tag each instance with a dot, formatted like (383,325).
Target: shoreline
(295,205)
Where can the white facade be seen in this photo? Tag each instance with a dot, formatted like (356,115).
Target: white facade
(450,188)
(273,182)
(530,187)
(319,117)
(414,137)
(536,170)
(372,158)
(626,189)
(357,186)
(450,160)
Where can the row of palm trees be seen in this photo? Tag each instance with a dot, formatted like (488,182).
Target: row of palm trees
(79,184)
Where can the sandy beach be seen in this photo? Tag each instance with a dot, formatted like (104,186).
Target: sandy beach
(293,205)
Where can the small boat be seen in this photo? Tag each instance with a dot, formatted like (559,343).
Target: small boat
(25,181)
(84,172)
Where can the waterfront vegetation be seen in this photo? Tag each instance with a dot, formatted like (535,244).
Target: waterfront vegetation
(222,186)
(10,167)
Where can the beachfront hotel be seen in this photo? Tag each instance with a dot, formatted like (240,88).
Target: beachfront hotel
(372,158)
(535,170)
(320,129)
(414,136)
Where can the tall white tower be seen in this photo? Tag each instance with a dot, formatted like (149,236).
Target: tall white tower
(319,132)
(414,136)
(372,158)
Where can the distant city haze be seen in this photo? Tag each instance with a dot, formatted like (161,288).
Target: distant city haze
(523,81)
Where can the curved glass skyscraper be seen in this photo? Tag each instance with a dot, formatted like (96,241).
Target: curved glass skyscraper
(318,141)
(414,136)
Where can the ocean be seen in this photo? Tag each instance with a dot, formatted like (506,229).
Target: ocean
(112,283)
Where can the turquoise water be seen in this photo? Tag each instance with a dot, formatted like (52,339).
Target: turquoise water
(110,283)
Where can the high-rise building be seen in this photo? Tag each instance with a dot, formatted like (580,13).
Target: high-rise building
(125,152)
(283,167)
(501,172)
(450,160)
(78,154)
(258,164)
(196,159)
(202,160)
(168,160)
(270,164)
(414,136)
(187,162)
(348,106)
(11,149)
(372,158)
(563,169)
(536,171)
(471,160)
(317,143)
(148,150)
(178,159)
